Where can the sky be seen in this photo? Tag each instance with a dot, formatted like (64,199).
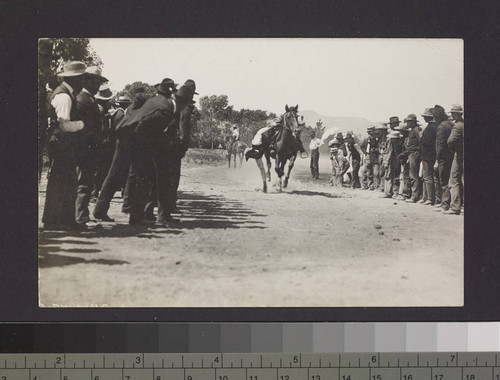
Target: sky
(370,78)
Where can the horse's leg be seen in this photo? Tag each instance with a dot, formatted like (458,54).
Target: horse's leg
(268,161)
(229,159)
(260,164)
(234,159)
(241,158)
(290,167)
(278,167)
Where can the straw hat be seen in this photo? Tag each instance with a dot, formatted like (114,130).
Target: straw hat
(73,69)
(95,72)
(456,108)
(105,93)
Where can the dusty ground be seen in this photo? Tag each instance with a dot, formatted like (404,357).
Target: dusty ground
(312,245)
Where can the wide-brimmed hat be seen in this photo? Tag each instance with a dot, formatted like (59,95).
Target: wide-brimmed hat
(370,128)
(73,69)
(381,126)
(235,126)
(95,72)
(411,117)
(167,86)
(186,91)
(333,142)
(456,108)
(105,92)
(439,112)
(402,127)
(124,99)
(427,113)
(394,119)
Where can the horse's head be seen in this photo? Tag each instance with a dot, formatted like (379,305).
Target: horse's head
(292,120)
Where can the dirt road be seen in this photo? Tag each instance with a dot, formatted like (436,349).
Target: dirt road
(312,245)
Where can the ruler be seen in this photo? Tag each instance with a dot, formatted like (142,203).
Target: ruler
(253,366)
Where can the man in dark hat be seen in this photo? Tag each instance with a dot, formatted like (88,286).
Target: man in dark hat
(166,88)
(456,144)
(444,155)
(44,57)
(88,110)
(402,190)
(366,179)
(393,122)
(64,143)
(428,157)
(413,150)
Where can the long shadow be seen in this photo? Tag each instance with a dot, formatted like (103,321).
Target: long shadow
(313,193)
(48,260)
(216,212)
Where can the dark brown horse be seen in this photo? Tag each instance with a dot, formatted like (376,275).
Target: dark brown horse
(282,142)
(236,150)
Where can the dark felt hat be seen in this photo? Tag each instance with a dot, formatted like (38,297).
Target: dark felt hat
(186,91)
(167,86)
(394,120)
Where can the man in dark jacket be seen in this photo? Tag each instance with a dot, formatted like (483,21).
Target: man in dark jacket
(91,139)
(59,208)
(428,157)
(413,150)
(456,144)
(444,155)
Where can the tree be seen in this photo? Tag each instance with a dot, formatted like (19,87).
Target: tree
(319,129)
(129,89)
(70,49)
(215,117)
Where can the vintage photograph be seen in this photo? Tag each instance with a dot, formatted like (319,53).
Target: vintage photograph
(250,172)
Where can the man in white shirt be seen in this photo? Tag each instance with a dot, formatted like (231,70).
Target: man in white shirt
(314,148)
(59,208)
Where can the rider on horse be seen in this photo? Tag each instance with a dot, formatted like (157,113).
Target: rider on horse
(235,136)
(265,138)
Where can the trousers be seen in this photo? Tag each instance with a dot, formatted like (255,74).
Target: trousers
(314,166)
(415,182)
(61,189)
(428,186)
(455,184)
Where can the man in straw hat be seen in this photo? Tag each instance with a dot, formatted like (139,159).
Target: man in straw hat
(456,144)
(404,190)
(444,155)
(88,109)
(64,144)
(428,157)
(391,164)
(106,148)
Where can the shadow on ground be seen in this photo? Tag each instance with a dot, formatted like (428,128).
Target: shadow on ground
(199,211)
(215,212)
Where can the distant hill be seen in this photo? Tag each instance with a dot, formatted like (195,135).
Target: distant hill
(357,125)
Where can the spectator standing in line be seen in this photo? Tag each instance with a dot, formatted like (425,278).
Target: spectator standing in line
(91,139)
(456,144)
(413,150)
(444,155)
(356,158)
(428,157)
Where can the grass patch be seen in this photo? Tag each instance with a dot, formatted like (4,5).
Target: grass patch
(208,157)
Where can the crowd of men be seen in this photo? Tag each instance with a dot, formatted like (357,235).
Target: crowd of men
(405,160)
(99,143)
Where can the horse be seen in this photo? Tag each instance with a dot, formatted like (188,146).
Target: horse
(237,150)
(281,142)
